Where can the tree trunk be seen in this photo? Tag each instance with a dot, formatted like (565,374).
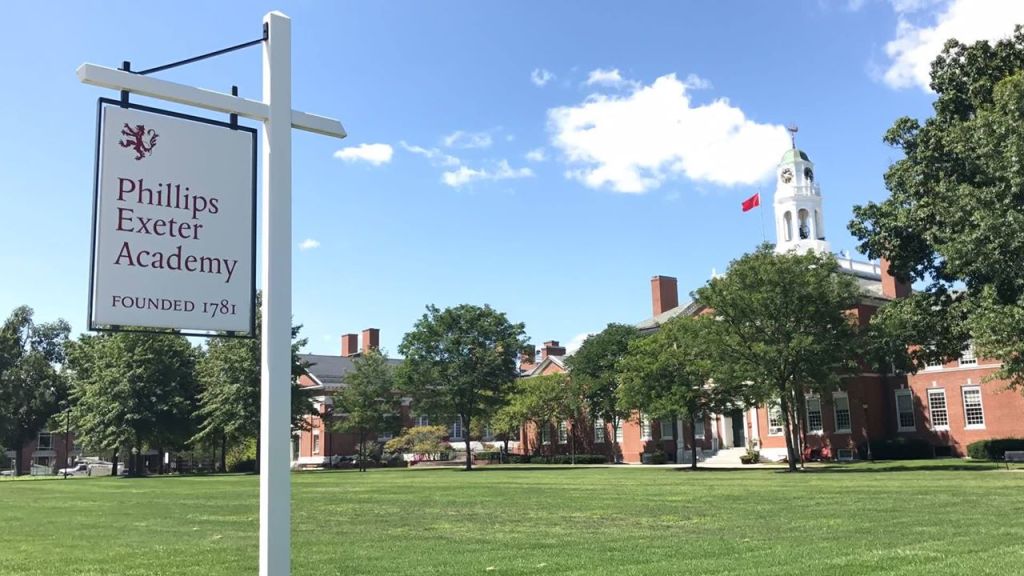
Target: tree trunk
(799,416)
(693,444)
(362,451)
(19,460)
(504,455)
(223,452)
(160,460)
(113,467)
(786,421)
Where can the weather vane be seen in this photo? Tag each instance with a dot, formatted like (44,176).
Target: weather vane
(793,129)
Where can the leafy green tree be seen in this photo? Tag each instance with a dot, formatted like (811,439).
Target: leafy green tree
(229,373)
(368,401)
(31,384)
(954,220)
(781,323)
(133,390)
(506,424)
(460,362)
(671,373)
(546,401)
(418,440)
(593,367)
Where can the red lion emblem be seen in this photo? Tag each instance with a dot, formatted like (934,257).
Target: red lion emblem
(136,139)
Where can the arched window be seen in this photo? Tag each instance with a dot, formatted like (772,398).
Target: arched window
(804,224)
(819,230)
(787,226)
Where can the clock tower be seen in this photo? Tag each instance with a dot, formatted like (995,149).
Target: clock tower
(799,223)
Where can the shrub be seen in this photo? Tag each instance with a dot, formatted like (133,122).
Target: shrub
(993,448)
(418,440)
(901,448)
(519,458)
(242,456)
(489,455)
(752,456)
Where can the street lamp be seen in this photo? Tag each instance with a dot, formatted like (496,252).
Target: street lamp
(67,435)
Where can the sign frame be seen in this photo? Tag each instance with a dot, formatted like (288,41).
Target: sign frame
(253,133)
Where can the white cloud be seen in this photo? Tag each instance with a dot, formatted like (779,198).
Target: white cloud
(309,244)
(536,155)
(540,76)
(375,154)
(576,342)
(633,143)
(460,139)
(917,44)
(613,78)
(432,154)
(694,82)
(465,175)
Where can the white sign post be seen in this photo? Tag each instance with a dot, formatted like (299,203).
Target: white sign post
(275,388)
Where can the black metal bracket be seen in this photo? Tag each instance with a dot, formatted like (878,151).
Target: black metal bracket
(234,117)
(266,35)
(127,67)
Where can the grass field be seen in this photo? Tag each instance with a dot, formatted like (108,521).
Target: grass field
(861,519)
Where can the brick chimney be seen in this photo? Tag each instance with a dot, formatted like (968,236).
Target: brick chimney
(551,348)
(664,294)
(349,344)
(371,339)
(891,286)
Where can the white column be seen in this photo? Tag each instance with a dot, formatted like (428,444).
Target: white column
(755,431)
(275,381)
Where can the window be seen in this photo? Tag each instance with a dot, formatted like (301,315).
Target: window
(967,357)
(599,431)
(43,461)
(545,433)
(422,421)
(933,365)
(841,406)
(488,433)
(974,415)
(698,427)
(905,410)
(563,432)
(45,441)
(814,414)
(645,428)
(937,409)
(455,432)
(618,431)
(666,428)
(775,420)
(316,441)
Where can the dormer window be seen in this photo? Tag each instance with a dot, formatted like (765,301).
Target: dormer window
(967,357)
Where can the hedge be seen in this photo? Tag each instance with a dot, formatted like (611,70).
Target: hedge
(994,448)
(901,448)
(558,459)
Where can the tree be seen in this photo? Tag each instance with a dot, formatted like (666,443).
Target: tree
(133,390)
(368,400)
(506,425)
(460,362)
(546,400)
(671,373)
(954,220)
(593,366)
(427,440)
(781,323)
(230,399)
(31,384)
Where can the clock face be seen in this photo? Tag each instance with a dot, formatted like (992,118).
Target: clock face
(809,174)
(787,175)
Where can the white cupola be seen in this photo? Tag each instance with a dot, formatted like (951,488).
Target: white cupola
(799,222)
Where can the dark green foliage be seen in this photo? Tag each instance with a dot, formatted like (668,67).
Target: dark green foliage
(559,459)
(368,403)
(31,387)
(460,362)
(994,448)
(900,448)
(242,456)
(954,220)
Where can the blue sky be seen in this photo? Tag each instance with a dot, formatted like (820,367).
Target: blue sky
(546,158)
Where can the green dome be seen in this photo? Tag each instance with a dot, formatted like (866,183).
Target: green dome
(791,156)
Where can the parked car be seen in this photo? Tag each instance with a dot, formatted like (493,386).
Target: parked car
(79,469)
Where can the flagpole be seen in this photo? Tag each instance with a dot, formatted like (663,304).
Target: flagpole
(760,208)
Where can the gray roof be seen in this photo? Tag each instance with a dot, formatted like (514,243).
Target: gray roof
(331,370)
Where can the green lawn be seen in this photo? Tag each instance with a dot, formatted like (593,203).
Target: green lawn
(860,519)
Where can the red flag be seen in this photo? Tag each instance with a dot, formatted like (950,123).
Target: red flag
(752,202)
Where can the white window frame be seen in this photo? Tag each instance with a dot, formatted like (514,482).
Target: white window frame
(775,429)
(836,397)
(39,440)
(932,409)
(455,432)
(545,433)
(563,432)
(963,395)
(422,420)
(599,431)
(620,432)
(316,441)
(899,421)
(808,401)
(666,425)
(645,427)
(967,356)
(936,365)
(698,428)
